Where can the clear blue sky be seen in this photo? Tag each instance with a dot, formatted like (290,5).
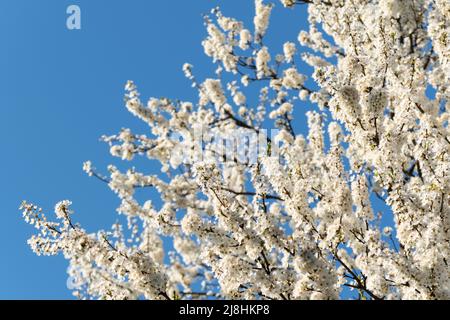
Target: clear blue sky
(60,90)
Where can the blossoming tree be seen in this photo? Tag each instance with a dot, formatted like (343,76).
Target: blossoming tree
(293,219)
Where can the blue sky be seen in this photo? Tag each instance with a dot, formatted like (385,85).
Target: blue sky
(61,90)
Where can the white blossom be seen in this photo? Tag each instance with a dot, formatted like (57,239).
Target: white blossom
(289,51)
(261,19)
(262,63)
